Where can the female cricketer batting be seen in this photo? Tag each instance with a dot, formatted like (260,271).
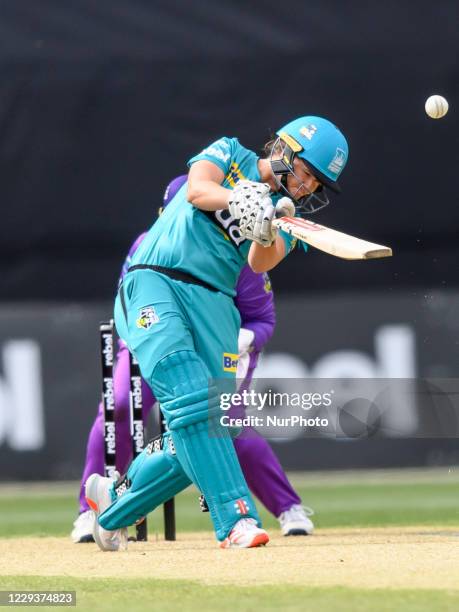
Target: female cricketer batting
(261,468)
(175,310)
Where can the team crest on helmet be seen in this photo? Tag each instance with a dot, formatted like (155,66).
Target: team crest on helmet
(308,130)
(147,317)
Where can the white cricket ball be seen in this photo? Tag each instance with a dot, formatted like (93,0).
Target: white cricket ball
(436,106)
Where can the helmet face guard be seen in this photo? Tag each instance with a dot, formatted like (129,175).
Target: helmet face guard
(307,204)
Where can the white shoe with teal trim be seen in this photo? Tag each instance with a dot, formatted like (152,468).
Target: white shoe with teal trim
(83,528)
(98,496)
(245,534)
(295,521)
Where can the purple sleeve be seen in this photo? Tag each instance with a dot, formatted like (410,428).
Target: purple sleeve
(174,186)
(132,250)
(122,346)
(255,302)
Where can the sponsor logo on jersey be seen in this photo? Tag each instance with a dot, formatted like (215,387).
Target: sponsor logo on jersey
(230,362)
(234,175)
(229,225)
(337,163)
(215,150)
(222,218)
(147,317)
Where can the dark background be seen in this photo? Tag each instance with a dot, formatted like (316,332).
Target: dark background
(66,336)
(102,103)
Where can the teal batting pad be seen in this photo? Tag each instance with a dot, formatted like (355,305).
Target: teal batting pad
(183,334)
(153,478)
(204,448)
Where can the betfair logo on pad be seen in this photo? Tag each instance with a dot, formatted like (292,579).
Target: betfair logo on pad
(230,362)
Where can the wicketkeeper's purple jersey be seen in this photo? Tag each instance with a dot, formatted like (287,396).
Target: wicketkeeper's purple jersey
(132,250)
(254,300)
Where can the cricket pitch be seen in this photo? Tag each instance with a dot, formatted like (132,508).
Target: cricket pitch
(420,558)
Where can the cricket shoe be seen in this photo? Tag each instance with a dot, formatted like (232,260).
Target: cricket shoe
(83,528)
(245,534)
(295,521)
(98,496)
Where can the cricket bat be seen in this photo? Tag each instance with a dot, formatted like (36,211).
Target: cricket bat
(330,241)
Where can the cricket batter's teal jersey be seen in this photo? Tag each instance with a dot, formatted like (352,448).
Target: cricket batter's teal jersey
(207,245)
(183,334)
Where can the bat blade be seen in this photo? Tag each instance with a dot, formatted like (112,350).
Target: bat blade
(331,241)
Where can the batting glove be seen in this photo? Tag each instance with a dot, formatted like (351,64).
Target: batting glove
(256,223)
(246,195)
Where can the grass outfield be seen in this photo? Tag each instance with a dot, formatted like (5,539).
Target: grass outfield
(390,499)
(164,595)
(355,499)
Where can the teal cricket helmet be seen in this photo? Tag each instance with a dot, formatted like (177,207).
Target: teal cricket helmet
(320,144)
